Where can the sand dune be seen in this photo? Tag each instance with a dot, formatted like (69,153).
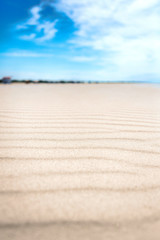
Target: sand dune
(79,162)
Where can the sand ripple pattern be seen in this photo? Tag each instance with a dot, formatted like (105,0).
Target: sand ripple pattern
(79,162)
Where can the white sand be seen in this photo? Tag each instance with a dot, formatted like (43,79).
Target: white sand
(79,162)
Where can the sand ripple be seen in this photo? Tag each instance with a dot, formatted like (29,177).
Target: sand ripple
(79,162)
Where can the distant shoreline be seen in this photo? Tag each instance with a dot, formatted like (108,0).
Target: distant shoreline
(77,82)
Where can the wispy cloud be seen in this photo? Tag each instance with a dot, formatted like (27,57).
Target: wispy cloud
(48,29)
(28,37)
(24,53)
(43,30)
(82,59)
(35,15)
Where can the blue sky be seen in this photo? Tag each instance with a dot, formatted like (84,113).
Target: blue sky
(80,40)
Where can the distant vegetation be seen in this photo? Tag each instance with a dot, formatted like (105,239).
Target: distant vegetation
(8,80)
(4,80)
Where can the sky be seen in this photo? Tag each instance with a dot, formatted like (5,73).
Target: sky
(102,40)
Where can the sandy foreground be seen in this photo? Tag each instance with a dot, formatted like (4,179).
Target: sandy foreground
(79,162)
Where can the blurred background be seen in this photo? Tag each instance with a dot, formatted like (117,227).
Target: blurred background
(85,40)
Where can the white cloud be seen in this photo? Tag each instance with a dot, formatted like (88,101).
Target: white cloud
(49,30)
(82,59)
(126,31)
(35,15)
(45,28)
(24,53)
(21,27)
(28,37)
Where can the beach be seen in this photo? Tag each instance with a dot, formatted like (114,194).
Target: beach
(79,161)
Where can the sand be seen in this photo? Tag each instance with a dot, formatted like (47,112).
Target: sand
(79,162)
